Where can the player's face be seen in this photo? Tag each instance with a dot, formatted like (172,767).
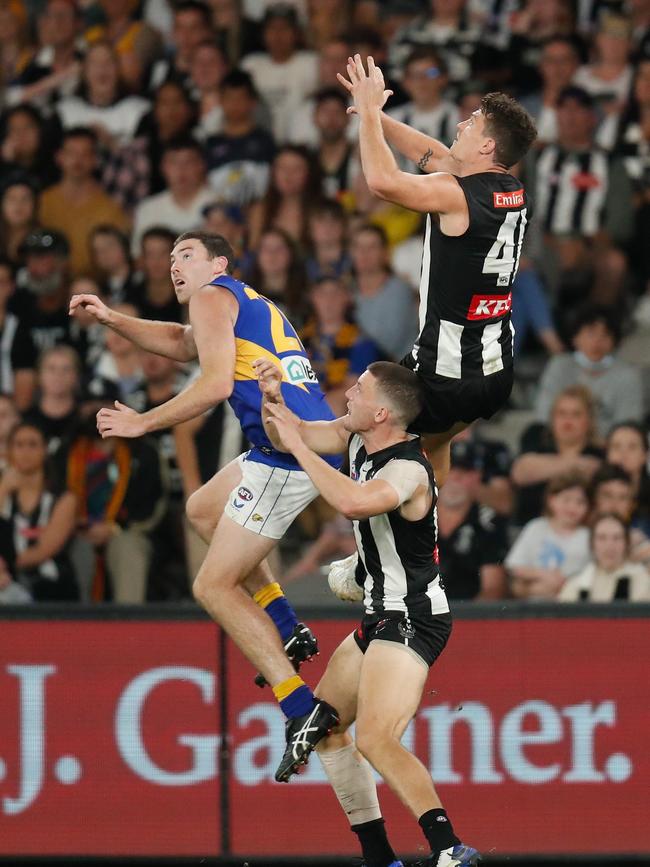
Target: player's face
(362,404)
(191,268)
(470,137)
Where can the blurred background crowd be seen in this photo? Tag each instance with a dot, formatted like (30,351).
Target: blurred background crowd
(126,122)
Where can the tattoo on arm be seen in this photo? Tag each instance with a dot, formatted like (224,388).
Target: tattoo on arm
(424,159)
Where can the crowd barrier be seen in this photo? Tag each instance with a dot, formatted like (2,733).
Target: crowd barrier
(140,732)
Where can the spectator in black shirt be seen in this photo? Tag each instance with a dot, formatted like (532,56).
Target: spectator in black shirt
(111,258)
(42,519)
(192,26)
(471,538)
(336,154)
(568,444)
(41,302)
(17,215)
(173,116)
(28,144)
(155,296)
(239,156)
(17,351)
(8,418)
(55,411)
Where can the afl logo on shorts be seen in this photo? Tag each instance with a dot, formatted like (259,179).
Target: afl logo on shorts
(245,494)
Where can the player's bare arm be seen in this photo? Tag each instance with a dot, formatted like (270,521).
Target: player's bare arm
(213,311)
(429,154)
(348,497)
(434,193)
(164,338)
(324,437)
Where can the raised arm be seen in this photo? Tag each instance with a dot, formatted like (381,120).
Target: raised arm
(323,437)
(435,193)
(164,338)
(429,154)
(213,311)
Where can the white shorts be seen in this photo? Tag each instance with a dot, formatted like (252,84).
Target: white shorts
(268,499)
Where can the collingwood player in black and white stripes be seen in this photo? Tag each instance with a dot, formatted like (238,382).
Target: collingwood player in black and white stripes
(477,214)
(391,499)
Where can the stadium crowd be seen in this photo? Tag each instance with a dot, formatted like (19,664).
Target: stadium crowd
(124,123)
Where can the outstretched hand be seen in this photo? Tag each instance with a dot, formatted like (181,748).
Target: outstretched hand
(120,422)
(92,305)
(368,90)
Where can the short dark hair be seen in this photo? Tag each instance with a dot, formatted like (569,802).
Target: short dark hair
(609,473)
(80,132)
(329,208)
(184,143)
(327,94)
(114,232)
(402,388)
(216,245)
(590,314)
(238,79)
(636,426)
(510,125)
(161,233)
(193,6)
(426,52)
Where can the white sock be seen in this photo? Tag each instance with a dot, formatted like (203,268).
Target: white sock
(350,776)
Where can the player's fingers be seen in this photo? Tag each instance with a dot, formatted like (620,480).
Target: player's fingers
(346,84)
(361,72)
(371,65)
(352,72)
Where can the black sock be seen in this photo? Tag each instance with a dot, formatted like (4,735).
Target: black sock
(374,843)
(438,830)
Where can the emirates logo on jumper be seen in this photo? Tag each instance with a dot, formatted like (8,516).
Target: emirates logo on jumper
(489,306)
(512,199)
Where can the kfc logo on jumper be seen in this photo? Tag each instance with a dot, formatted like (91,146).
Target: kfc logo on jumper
(513,199)
(489,306)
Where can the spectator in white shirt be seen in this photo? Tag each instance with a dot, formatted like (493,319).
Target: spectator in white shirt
(283,74)
(553,548)
(180,206)
(610,576)
(425,81)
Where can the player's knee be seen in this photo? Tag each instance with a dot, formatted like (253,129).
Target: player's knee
(195,511)
(200,589)
(370,740)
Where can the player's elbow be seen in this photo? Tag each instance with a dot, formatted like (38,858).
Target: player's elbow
(353,509)
(216,389)
(381,186)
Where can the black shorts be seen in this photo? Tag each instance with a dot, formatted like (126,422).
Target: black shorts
(448,401)
(425,636)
